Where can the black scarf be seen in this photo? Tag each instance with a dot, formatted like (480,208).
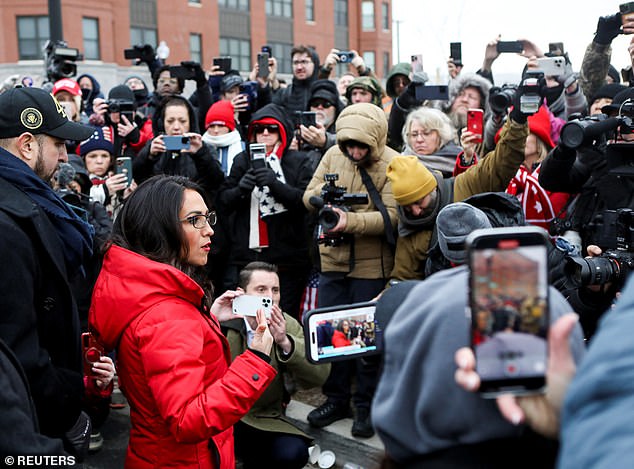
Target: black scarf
(74,233)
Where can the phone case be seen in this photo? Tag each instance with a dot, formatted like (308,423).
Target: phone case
(248,305)
(263,65)
(475,122)
(124,166)
(92,352)
(324,344)
(552,66)
(176,142)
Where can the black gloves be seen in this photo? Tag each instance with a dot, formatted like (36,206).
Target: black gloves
(528,98)
(608,28)
(265,176)
(247,182)
(77,438)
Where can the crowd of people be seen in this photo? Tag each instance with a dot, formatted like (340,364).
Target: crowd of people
(137,219)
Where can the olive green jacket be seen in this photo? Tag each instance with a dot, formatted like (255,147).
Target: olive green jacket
(267,414)
(492,174)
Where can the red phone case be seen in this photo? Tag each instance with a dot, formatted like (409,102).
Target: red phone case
(475,122)
(92,352)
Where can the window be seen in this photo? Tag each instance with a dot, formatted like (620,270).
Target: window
(239,50)
(279,8)
(368,58)
(282,52)
(341,13)
(236,4)
(367,16)
(32,35)
(310,10)
(143,36)
(90,27)
(386,64)
(385,16)
(196,47)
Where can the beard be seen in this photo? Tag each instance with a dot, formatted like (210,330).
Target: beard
(40,168)
(459,120)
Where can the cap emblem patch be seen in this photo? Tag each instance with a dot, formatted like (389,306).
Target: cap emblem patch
(31,118)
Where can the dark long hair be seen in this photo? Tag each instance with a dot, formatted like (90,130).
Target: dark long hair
(149,225)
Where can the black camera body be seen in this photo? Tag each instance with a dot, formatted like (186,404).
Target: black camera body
(501,98)
(120,105)
(333,196)
(60,60)
(616,235)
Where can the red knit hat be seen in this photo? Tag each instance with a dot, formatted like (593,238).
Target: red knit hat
(538,124)
(221,113)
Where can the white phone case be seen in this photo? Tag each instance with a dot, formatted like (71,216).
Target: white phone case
(248,305)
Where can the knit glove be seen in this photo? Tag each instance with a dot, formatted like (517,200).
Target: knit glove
(265,176)
(608,28)
(247,182)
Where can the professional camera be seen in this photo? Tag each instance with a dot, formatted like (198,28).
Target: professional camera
(60,60)
(501,98)
(120,105)
(530,98)
(616,261)
(333,196)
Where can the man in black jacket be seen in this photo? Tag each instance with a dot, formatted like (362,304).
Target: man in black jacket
(305,63)
(42,245)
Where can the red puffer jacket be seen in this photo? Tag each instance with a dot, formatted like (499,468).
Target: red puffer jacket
(174,364)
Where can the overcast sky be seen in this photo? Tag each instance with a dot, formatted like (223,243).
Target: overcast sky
(428,26)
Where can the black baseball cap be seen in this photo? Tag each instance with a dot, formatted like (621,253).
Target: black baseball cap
(36,111)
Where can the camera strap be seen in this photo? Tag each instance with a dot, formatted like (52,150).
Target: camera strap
(376,199)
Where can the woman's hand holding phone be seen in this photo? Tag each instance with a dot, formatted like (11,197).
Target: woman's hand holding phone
(262,340)
(540,411)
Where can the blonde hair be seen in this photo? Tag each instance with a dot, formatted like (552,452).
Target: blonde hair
(431,119)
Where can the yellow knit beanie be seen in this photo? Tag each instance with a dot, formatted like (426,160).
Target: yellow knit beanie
(411,181)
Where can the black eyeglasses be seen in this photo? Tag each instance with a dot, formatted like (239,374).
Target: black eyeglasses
(259,128)
(199,221)
(322,103)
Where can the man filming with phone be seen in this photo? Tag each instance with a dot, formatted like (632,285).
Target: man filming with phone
(263,437)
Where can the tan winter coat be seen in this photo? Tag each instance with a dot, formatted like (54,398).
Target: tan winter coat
(373,259)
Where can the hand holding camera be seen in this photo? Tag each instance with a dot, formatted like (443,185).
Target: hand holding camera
(608,27)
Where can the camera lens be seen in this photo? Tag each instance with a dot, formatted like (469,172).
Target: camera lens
(501,100)
(592,270)
(328,218)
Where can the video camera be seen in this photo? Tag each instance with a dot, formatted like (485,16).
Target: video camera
(60,60)
(616,228)
(584,131)
(333,196)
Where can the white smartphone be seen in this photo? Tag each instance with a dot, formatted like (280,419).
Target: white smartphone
(342,332)
(248,305)
(552,66)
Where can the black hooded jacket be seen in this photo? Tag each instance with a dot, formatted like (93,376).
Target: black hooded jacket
(286,231)
(295,97)
(202,166)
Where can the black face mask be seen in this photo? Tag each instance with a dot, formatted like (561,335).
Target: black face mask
(140,95)
(85,94)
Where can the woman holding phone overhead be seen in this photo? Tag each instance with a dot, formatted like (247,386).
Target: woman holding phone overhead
(152,303)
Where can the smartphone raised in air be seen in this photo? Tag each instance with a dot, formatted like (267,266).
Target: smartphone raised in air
(552,66)
(510,46)
(263,65)
(417,63)
(248,305)
(508,300)
(455,52)
(475,122)
(342,332)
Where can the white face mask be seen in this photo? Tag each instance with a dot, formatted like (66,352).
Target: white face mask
(68,109)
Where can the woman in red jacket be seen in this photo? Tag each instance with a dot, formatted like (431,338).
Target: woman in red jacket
(152,304)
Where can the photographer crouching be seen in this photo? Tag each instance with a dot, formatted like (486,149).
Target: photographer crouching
(594,160)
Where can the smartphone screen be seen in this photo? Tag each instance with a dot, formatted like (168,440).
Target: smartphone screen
(475,122)
(342,332)
(258,155)
(309,118)
(508,298)
(455,52)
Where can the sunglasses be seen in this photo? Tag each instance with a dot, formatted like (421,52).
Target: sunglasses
(322,103)
(259,128)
